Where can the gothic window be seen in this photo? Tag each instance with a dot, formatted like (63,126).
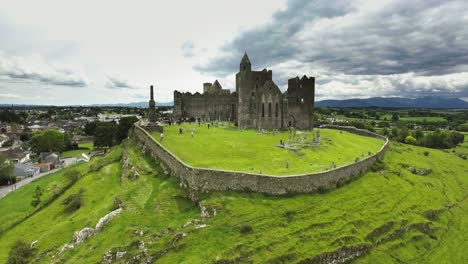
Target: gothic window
(263,109)
(269,109)
(276,110)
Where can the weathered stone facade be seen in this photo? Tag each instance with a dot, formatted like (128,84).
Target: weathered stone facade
(256,103)
(215,103)
(202,179)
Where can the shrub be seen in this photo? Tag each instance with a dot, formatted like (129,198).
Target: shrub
(410,140)
(426,153)
(20,253)
(72,175)
(74,201)
(37,196)
(117,203)
(377,166)
(289,215)
(245,229)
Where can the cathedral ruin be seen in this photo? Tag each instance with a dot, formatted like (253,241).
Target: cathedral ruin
(256,103)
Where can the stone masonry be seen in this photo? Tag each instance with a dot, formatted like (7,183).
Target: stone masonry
(256,103)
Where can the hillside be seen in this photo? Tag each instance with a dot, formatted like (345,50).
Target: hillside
(400,212)
(396,102)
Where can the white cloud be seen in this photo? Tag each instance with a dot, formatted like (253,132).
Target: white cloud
(35,69)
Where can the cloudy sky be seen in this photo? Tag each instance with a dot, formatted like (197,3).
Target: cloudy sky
(84,52)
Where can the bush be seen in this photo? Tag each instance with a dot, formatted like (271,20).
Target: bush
(37,196)
(74,201)
(377,166)
(20,253)
(289,215)
(426,153)
(72,175)
(463,127)
(410,140)
(245,229)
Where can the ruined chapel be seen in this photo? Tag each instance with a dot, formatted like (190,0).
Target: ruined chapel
(256,103)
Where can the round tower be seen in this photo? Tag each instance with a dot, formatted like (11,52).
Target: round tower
(244,84)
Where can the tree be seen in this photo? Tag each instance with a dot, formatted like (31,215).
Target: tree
(125,124)
(105,135)
(418,134)
(90,128)
(410,140)
(37,196)
(386,132)
(394,132)
(395,117)
(6,171)
(20,253)
(403,134)
(47,141)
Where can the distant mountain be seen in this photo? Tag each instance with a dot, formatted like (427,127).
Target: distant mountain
(396,102)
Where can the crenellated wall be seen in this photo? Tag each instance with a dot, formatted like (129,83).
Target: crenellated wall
(202,179)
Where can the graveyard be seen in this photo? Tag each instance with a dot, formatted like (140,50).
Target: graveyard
(279,153)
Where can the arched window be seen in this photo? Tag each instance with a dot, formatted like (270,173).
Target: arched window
(263,109)
(269,109)
(276,110)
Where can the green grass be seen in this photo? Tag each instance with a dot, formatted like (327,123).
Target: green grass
(85,147)
(400,216)
(246,151)
(421,119)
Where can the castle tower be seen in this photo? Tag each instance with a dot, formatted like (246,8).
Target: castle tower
(151,107)
(244,89)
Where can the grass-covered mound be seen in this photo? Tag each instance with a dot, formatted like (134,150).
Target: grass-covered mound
(250,151)
(411,208)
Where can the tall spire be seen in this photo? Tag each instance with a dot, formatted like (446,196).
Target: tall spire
(245,58)
(151,93)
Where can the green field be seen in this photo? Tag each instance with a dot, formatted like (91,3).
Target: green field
(248,151)
(391,215)
(85,147)
(422,119)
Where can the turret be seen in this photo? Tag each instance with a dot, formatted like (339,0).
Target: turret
(245,64)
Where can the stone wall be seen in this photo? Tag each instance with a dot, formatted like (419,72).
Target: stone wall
(202,179)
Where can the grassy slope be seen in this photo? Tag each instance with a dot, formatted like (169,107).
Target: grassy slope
(248,152)
(285,229)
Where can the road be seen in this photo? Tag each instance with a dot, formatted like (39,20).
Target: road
(4,190)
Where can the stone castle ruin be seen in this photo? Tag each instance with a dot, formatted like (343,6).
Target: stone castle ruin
(256,103)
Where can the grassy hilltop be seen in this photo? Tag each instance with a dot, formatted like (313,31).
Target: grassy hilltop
(248,151)
(392,214)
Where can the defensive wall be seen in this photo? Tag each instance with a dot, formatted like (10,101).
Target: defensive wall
(203,179)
